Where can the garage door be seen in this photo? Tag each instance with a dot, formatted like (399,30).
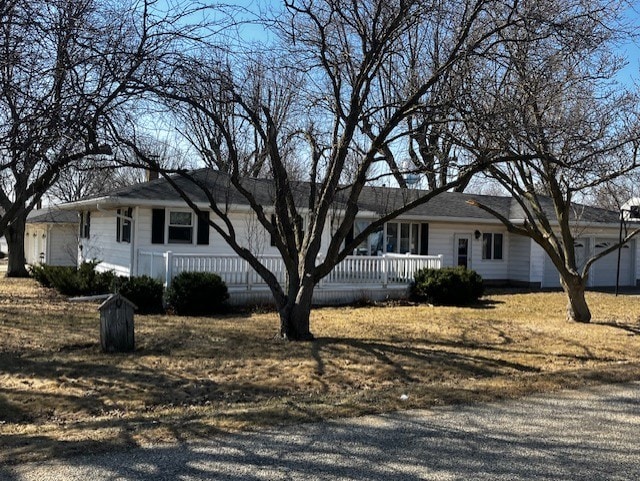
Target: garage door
(550,276)
(603,272)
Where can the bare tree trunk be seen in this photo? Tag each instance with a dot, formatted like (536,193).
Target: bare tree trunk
(577,308)
(15,242)
(294,316)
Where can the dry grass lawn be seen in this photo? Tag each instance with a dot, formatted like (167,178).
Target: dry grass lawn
(194,377)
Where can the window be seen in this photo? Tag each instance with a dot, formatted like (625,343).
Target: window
(403,237)
(180,228)
(392,237)
(85,224)
(492,246)
(372,245)
(123,225)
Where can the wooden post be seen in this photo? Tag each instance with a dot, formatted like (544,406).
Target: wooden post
(116,324)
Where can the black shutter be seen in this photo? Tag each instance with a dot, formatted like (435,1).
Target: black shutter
(81,226)
(87,227)
(118,223)
(349,238)
(273,237)
(157,226)
(203,229)
(424,239)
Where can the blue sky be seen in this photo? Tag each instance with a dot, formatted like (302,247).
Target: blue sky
(631,49)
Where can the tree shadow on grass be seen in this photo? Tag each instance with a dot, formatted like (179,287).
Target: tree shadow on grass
(631,329)
(484,303)
(397,355)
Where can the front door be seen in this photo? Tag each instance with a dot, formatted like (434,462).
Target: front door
(462,250)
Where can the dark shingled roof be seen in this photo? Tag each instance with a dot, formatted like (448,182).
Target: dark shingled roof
(380,200)
(52,215)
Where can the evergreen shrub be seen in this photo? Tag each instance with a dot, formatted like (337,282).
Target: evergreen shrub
(69,281)
(197,294)
(450,286)
(144,291)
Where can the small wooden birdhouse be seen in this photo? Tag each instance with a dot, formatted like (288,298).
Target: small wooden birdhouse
(116,324)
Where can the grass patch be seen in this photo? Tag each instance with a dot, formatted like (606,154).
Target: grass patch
(192,377)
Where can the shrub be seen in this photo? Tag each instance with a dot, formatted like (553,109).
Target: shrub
(39,273)
(70,281)
(89,281)
(453,286)
(197,293)
(144,291)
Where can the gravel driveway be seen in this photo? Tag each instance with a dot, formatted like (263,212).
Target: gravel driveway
(591,434)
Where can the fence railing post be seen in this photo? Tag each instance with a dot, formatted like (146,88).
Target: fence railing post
(151,263)
(323,281)
(385,275)
(249,274)
(168,268)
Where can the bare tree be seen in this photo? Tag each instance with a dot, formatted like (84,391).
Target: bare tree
(318,97)
(430,155)
(548,101)
(614,194)
(64,70)
(91,177)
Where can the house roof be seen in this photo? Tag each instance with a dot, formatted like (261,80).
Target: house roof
(52,215)
(376,200)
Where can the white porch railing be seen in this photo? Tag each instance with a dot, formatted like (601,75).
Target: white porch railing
(388,269)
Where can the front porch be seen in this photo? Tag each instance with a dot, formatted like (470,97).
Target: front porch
(355,278)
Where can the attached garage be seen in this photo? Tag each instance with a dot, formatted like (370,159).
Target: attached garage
(603,271)
(550,276)
(51,237)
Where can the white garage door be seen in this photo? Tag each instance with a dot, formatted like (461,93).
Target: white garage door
(603,272)
(550,276)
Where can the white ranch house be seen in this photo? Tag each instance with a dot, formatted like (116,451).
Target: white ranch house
(148,229)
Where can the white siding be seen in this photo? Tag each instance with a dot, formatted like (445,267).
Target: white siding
(441,241)
(102,246)
(537,257)
(519,258)
(248,232)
